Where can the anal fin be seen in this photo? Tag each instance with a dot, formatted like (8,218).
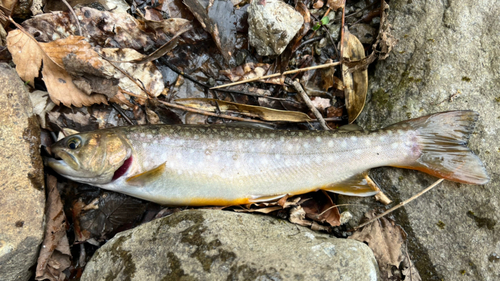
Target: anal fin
(146,177)
(353,186)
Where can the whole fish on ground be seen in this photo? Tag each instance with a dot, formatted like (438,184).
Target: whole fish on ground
(225,165)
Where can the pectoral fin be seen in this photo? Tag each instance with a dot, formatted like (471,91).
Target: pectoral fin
(354,186)
(147,177)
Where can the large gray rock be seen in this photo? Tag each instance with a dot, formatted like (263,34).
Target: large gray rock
(22,197)
(271,26)
(221,245)
(448,57)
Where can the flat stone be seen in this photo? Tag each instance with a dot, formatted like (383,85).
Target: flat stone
(222,245)
(447,58)
(271,26)
(22,198)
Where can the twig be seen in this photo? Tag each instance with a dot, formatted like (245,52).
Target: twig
(309,104)
(380,196)
(191,78)
(117,108)
(342,34)
(74,15)
(279,74)
(400,204)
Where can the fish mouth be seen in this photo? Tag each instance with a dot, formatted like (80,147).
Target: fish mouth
(63,162)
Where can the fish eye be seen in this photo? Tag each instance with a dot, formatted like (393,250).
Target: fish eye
(73,143)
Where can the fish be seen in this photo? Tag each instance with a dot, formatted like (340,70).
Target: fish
(196,165)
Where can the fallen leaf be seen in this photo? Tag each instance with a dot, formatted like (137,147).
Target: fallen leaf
(28,56)
(220,19)
(385,238)
(55,254)
(250,71)
(264,113)
(355,83)
(321,209)
(41,106)
(106,214)
(335,4)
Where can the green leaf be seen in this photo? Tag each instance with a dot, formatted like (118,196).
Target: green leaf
(316,26)
(325,20)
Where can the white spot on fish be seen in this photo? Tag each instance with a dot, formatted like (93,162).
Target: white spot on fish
(394,145)
(368,142)
(264,161)
(301,134)
(240,135)
(354,138)
(331,158)
(144,145)
(179,172)
(344,144)
(389,133)
(289,147)
(318,175)
(196,137)
(155,141)
(143,135)
(400,132)
(378,148)
(250,160)
(282,138)
(249,135)
(277,156)
(272,135)
(257,135)
(318,139)
(150,136)
(381,138)
(211,136)
(317,160)
(330,143)
(308,160)
(357,151)
(146,164)
(191,151)
(210,174)
(178,155)
(306,145)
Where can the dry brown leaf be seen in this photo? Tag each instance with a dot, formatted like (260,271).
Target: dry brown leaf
(249,71)
(385,238)
(54,255)
(28,56)
(322,209)
(336,4)
(355,83)
(264,113)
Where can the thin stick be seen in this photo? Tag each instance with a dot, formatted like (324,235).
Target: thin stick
(74,15)
(400,204)
(342,34)
(380,196)
(309,104)
(278,74)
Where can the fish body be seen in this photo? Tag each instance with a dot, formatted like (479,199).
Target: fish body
(225,165)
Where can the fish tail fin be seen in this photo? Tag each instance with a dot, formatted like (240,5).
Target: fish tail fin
(442,140)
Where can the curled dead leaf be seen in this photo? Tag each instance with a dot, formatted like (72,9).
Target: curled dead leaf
(264,113)
(356,82)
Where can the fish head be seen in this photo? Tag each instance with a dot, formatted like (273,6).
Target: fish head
(92,158)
